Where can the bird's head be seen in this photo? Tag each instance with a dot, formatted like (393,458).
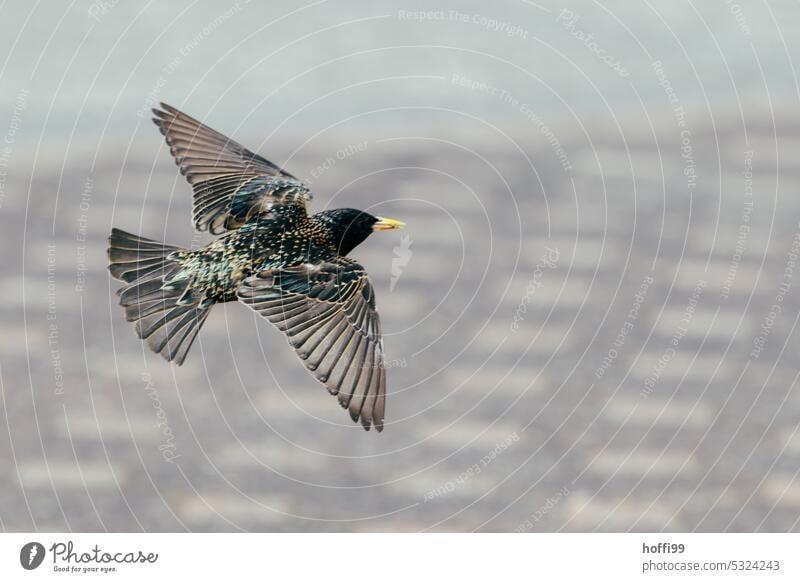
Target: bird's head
(350,227)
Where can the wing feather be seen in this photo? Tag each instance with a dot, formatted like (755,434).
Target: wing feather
(328,313)
(231,184)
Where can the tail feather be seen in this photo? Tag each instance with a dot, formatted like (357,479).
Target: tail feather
(141,310)
(166,316)
(122,240)
(132,271)
(171,333)
(141,292)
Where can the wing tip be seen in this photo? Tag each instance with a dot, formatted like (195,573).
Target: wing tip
(164,116)
(167,108)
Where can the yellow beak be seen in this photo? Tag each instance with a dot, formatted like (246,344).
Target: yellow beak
(387,224)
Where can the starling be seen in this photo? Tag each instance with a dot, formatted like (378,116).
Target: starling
(290,267)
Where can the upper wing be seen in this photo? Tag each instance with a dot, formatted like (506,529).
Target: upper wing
(230,182)
(328,312)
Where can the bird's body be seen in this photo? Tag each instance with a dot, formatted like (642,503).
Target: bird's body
(283,238)
(290,267)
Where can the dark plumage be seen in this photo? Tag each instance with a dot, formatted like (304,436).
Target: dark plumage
(289,267)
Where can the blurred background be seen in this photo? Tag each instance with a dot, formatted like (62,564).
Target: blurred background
(590,320)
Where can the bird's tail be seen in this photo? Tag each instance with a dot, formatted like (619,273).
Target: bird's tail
(158,297)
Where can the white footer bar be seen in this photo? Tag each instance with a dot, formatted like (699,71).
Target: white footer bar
(401,557)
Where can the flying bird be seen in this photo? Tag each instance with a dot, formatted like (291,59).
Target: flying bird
(290,267)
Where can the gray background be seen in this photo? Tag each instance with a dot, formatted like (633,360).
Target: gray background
(552,200)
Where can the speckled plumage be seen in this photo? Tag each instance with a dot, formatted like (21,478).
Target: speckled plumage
(288,266)
(282,238)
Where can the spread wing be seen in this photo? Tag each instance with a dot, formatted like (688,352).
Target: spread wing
(327,311)
(230,182)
